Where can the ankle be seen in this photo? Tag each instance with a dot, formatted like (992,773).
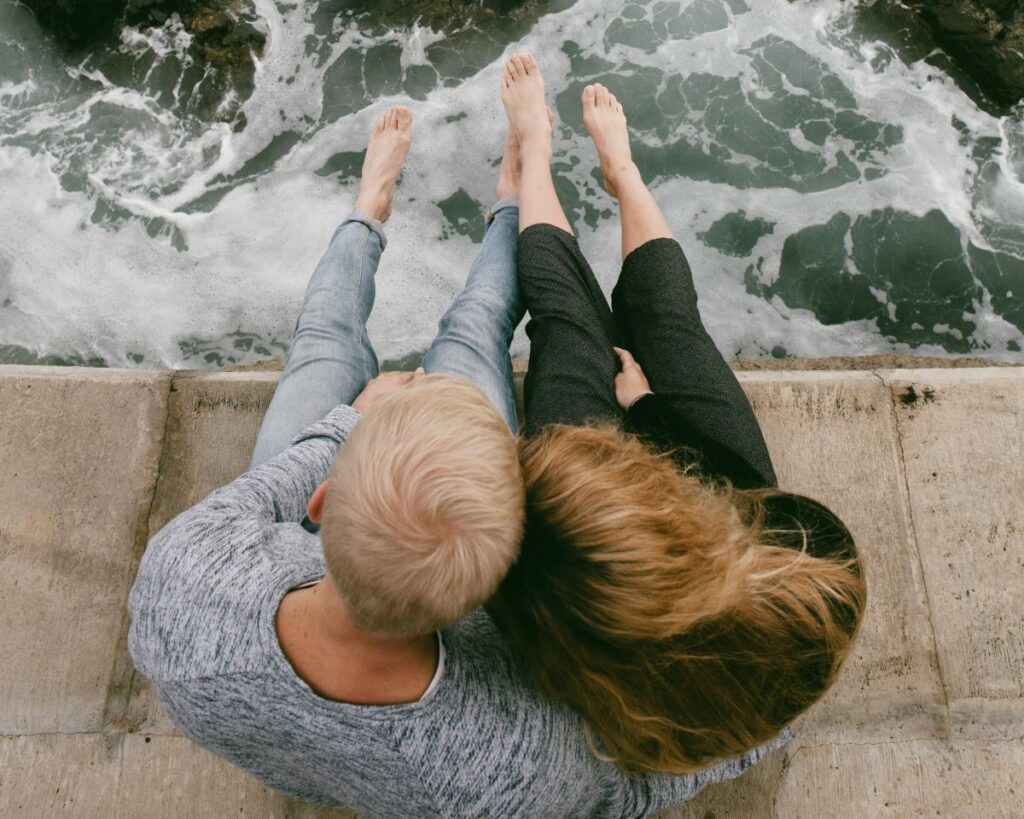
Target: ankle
(375,202)
(622,173)
(372,209)
(537,151)
(507,190)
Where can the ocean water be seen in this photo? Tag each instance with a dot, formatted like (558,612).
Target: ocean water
(832,199)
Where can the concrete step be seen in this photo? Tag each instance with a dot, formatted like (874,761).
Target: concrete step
(925,466)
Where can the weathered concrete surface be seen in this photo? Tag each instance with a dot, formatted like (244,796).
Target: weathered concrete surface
(753,794)
(79,451)
(58,775)
(881,361)
(963,444)
(212,425)
(833,437)
(899,779)
(925,720)
(129,776)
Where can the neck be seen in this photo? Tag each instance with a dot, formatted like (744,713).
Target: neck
(330,617)
(343,662)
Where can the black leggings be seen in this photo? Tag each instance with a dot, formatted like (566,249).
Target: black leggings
(572,331)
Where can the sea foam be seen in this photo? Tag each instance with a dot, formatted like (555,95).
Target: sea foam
(136,232)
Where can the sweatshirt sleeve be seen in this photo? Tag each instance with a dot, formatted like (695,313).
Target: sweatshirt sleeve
(661,791)
(279,490)
(196,568)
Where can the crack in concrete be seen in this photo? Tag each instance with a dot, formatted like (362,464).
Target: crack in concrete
(881,742)
(789,753)
(53,734)
(904,481)
(123,673)
(100,733)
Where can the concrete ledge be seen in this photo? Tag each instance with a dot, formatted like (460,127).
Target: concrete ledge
(925,465)
(80,451)
(833,437)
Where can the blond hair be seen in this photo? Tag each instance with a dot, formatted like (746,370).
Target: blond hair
(424,508)
(677,617)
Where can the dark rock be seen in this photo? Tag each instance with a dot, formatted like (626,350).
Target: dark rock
(226,35)
(224,30)
(982,42)
(450,15)
(77,22)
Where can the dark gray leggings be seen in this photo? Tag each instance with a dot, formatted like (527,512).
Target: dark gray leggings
(572,365)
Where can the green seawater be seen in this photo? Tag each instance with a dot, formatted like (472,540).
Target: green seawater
(835,194)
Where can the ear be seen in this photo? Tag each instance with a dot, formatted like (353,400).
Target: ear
(315,510)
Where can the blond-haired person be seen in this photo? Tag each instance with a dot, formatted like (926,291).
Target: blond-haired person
(666,589)
(292,621)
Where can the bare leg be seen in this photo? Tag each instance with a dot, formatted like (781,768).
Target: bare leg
(522,91)
(331,357)
(509,177)
(642,219)
(474,334)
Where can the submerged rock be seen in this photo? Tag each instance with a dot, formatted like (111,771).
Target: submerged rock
(872,268)
(449,15)
(216,67)
(982,42)
(225,30)
(77,22)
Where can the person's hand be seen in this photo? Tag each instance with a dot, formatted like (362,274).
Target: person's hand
(382,385)
(630,384)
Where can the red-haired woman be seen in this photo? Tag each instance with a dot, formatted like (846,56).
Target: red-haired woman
(666,589)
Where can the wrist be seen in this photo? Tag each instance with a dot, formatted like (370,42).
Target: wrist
(634,402)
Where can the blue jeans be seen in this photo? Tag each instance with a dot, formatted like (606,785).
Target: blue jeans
(331,357)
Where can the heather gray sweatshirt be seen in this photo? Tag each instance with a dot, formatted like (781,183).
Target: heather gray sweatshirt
(481,742)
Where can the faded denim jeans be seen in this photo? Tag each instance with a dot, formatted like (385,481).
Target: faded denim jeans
(331,358)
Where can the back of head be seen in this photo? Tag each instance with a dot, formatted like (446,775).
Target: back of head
(424,508)
(686,623)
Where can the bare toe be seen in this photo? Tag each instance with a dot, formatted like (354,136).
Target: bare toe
(522,93)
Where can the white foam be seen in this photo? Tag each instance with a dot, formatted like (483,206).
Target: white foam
(171,38)
(110,290)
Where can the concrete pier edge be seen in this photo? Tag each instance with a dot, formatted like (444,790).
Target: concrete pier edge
(925,463)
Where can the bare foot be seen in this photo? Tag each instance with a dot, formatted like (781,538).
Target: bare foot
(389,144)
(511,168)
(606,124)
(522,91)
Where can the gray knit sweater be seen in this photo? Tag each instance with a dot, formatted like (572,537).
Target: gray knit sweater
(481,743)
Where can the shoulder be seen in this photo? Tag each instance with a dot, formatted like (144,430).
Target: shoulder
(268,725)
(205,592)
